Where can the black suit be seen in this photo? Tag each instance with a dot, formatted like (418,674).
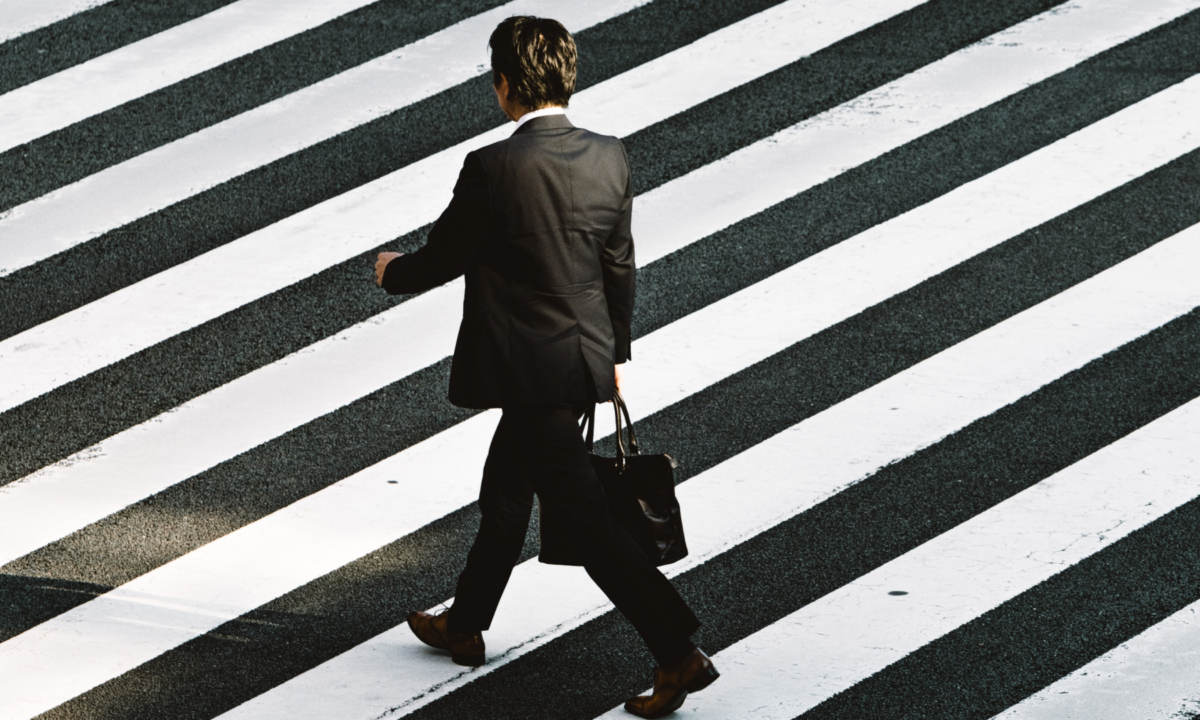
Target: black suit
(539,224)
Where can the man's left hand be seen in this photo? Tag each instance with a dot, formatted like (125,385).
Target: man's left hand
(381,265)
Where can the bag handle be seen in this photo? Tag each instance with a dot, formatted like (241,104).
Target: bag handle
(619,408)
(589,422)
(619,403)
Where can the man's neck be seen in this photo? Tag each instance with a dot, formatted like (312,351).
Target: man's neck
(540,112)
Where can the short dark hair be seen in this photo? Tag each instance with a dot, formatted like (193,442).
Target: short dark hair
(537,55)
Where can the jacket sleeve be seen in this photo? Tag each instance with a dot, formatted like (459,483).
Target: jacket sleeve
(616,261)
(453,242)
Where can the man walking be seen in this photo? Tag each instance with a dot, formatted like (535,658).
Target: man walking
(540,226)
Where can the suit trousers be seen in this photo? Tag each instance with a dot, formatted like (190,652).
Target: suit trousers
(539,449)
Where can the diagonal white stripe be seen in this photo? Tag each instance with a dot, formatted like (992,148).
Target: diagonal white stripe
(150,182)
(139,68)
(268,260)
(777,479)
(18,17)
(877,122)
(1152,676)
(198,435)
(826,647)
(322,532)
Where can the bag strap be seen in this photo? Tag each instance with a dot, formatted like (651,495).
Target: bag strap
(589,424)
(619,408)
(620,437)
(619,402)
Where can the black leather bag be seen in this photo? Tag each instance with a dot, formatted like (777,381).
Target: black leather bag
(641,495)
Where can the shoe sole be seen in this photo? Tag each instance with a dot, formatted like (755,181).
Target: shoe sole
(467,660)
(703,679)
(664,711)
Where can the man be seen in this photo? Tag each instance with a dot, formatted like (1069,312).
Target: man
(540,226)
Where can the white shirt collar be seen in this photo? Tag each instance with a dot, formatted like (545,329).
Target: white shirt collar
(539,113)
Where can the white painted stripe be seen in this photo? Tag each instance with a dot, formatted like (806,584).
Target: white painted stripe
(18,17)
(777,479)
(324,531)
(858,630)
(1153,676)
(198,435)
(164,176)
(153,63)
(270,259)
(811,152)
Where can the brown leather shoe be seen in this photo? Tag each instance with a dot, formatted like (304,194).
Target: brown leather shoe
(672,685)
(465,648)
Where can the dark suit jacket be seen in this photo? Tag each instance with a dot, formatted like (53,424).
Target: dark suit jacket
(539,224)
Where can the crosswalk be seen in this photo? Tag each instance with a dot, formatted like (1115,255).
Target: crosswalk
(917,311)
(1146,676)
(279,255)
(23,16)
(112,79)
(170,173)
